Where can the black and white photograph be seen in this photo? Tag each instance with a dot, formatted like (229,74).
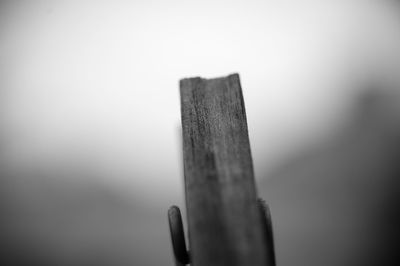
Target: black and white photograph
(199,132)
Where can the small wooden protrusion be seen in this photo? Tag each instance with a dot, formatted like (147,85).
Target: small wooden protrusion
(178,236)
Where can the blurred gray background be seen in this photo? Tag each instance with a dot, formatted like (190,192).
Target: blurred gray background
(90,156)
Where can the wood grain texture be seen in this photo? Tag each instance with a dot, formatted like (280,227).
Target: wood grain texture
(224,221)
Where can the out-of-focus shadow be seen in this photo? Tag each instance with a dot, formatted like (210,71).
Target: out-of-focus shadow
(47,220)
(338,202)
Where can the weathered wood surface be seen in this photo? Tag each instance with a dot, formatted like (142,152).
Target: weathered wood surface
(225,225)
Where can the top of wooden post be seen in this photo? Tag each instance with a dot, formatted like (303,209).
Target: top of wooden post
(225,226)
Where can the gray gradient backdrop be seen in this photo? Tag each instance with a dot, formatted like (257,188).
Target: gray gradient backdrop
(90,124)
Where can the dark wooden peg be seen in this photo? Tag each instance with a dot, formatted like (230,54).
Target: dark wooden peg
(267,221)
(178,236)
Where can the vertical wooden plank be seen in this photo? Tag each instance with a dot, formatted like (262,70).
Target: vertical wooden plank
(224,221)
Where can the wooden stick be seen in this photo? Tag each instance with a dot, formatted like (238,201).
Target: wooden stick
(225,226)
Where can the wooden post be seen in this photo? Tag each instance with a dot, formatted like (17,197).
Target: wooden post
(224,220)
